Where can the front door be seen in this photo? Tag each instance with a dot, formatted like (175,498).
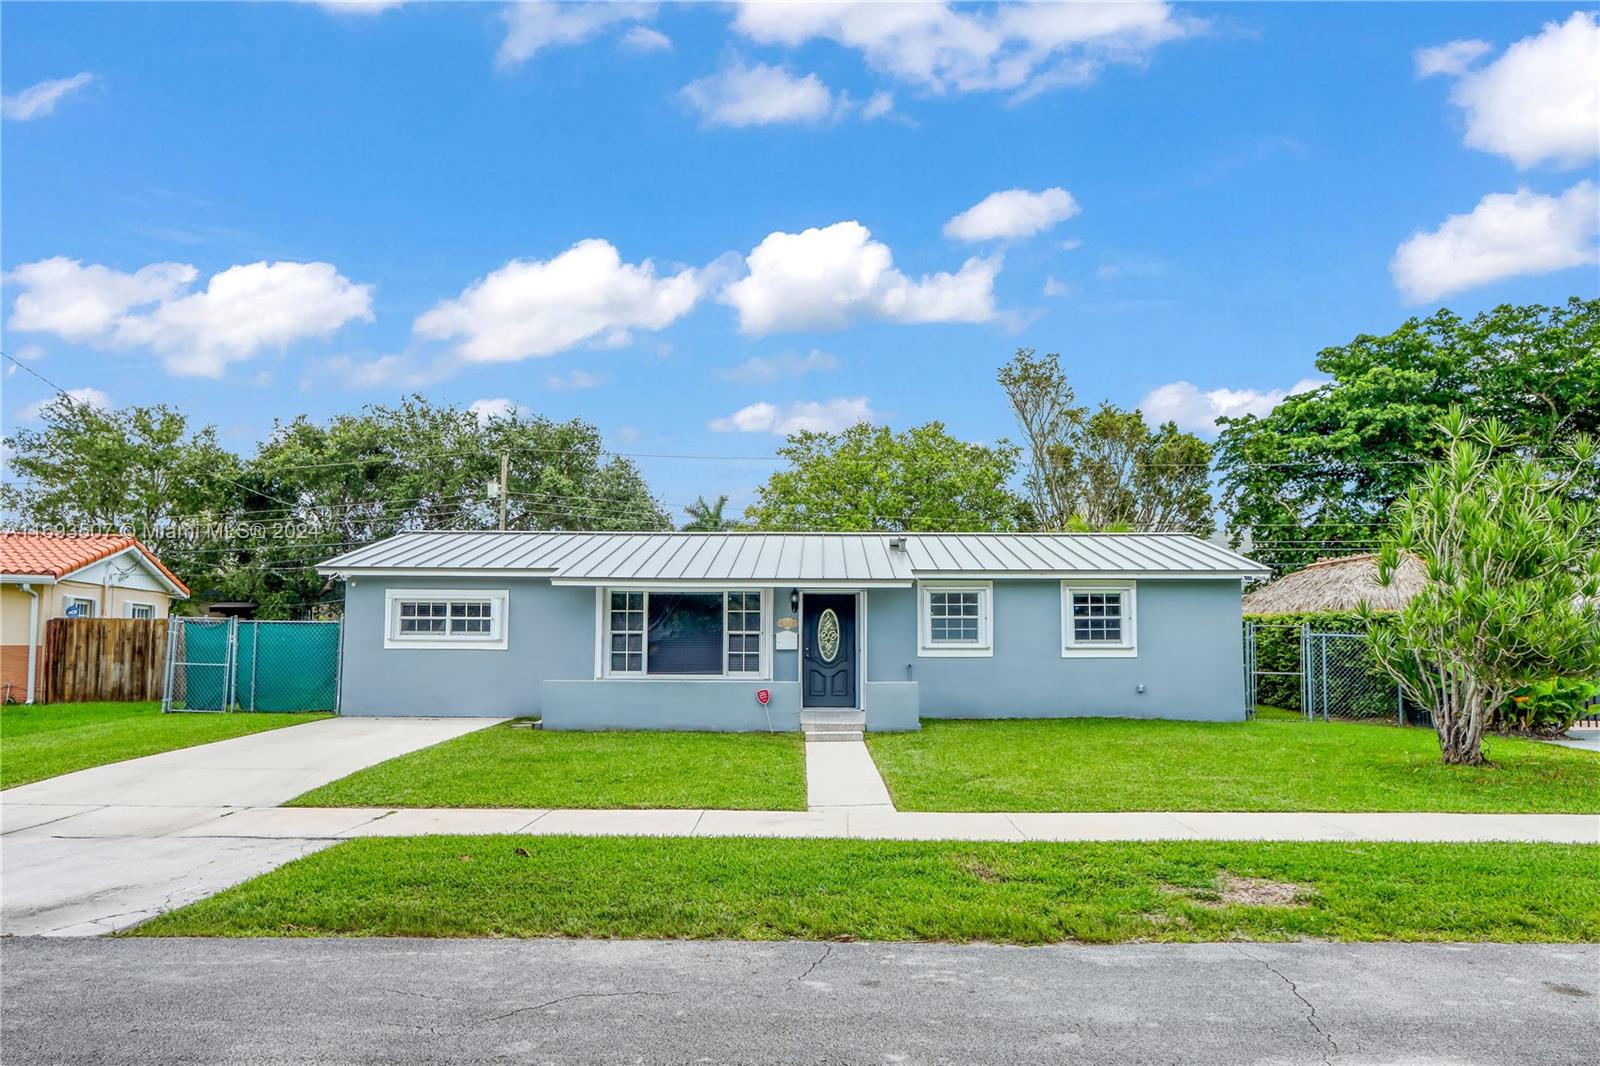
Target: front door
(828,661)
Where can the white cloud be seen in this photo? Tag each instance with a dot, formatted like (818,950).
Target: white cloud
(37,101)
(1452,58)
(574,380)
(242,309)
(89,397)
(1507,235)
(30,353)
(533,26)
(1012,214)
(645,39)
(878,105)
(1027,47)
(531,307)
(1540,101)
(491,408)
(759,95)
(1072,244)
(831,277)
(770,369)
(81,303)
(827,416)
(377,372)
(1197,412)
(1052,287)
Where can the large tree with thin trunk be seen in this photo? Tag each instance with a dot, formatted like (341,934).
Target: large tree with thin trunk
(1105,470)
(1513,572)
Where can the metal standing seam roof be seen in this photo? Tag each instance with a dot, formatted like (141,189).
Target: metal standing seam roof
(802,558)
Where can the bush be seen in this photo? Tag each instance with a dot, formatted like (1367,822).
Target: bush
(1547,708)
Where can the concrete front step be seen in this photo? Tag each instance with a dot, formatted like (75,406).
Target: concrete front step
(835,734)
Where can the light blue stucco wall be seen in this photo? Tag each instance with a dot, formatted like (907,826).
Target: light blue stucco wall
(1190,660)
(549,631)
(1190,657)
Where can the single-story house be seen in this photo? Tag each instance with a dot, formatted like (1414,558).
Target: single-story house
(71,575)
(747,631)
(1341,584)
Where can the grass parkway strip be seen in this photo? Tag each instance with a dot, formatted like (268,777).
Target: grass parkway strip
(47,740)
(1110,764)
(506,766)
(520,886)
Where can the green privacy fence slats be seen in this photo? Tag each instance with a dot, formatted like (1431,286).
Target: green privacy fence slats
(218,664)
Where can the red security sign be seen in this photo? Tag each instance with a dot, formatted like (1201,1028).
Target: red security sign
(763,696)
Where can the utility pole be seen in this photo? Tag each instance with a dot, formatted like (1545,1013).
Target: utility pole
(505,469)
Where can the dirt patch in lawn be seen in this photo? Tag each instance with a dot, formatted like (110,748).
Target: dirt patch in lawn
(1244,891)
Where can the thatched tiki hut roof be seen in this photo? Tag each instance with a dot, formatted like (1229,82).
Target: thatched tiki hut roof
(1338,585)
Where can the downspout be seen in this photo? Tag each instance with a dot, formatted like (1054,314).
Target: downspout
(33,635)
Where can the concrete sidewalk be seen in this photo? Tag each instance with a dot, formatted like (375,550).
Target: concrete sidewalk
(864,823)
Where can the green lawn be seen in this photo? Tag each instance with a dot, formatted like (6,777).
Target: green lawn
(1107,764)
(44,740)
(503,766)
(903,890)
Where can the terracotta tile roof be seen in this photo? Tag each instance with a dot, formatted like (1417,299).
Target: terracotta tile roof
(58,554)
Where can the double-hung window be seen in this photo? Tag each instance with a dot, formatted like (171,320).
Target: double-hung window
(955,619)
(141,610)
(446,618)
(683,634)
(1097,620)
(80,607)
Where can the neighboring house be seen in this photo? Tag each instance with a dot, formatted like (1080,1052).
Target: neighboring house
(48,575)
(746,631)
(1341,584)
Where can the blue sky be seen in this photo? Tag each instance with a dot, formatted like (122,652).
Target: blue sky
(700,226)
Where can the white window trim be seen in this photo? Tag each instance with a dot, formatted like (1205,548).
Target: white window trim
(494,641)
(1128,649)
(928,649)
(94,606)
(602,643)
(127,608)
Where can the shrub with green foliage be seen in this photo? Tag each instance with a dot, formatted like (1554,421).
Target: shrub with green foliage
(1548,707)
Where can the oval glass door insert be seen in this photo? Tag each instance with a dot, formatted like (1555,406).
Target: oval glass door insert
(828,636)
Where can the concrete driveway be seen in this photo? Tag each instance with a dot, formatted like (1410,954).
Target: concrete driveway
(93,851)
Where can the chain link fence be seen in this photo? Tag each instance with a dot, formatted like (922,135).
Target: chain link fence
(224,664)
(1293,671)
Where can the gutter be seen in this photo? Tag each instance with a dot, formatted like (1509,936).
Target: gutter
(33,635)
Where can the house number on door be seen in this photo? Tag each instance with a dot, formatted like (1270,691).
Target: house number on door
(828,636)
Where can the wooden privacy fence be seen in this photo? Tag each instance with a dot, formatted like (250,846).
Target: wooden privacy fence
(104,659)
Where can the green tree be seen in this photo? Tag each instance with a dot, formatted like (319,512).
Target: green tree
(1316,476)
(708,517)
(1106,470)
(423,465)
(870,478)
(136,469)
(1513,572)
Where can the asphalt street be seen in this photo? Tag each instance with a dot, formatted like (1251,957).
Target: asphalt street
(565,1001)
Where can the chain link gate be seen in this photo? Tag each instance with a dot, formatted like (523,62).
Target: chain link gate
(1344,682)
(224,664)
(1314,675)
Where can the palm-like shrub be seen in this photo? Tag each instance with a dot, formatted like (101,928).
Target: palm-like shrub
(1513,572)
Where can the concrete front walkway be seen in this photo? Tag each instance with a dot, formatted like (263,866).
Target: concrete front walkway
(105,848)
(841,776)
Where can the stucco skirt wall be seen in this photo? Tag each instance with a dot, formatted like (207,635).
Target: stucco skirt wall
(727,706)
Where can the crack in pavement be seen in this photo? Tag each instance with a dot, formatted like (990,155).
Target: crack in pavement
(820,959)
(580,995)
(1311,1009)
